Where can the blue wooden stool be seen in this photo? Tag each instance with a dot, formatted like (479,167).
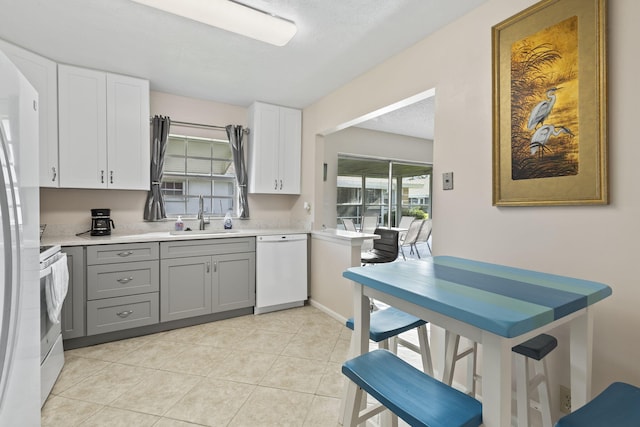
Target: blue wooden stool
(618,405)
(386,325)
(412,395)
(535,350)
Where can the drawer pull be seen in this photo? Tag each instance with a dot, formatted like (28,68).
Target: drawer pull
(125,314)
(125,279)
(127,253)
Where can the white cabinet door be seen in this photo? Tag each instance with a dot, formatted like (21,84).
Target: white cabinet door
(128,144)
(263,148)
(83,127)
(42,74)
(290,150)
(104,130)
(274,149)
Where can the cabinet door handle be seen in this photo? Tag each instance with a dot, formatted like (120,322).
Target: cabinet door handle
(275,184)
(281,184)
(55,174)
(126,253)
(215,267)
(124,314)
(111,177)
(208,267)
(125,279)
(101,177)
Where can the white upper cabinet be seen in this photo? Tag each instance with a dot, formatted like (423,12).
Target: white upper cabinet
(128,145)
(42,74)
(275,143)
(104,130)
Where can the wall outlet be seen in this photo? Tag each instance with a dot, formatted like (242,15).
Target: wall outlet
(565,399)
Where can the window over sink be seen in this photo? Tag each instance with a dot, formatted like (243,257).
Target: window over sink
(195,166)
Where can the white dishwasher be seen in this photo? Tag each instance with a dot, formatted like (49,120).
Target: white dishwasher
(281,272)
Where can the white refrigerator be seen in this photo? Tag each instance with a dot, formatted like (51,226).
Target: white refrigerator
(19,250)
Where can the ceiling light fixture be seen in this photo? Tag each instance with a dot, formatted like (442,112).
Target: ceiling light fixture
(230,16)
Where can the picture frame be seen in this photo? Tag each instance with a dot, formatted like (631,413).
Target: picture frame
(550,105)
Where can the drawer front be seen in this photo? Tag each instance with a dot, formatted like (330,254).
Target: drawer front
(115,314)
(181,249)
(118,280)
(109,254)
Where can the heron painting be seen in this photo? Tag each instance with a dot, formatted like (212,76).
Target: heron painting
(550,105)
(544,103)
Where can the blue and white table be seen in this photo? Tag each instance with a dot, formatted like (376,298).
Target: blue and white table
(494,305)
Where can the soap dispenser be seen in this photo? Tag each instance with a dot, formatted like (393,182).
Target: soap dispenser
(179,224)
(227,221)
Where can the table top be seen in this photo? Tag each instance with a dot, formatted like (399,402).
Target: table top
(506,301)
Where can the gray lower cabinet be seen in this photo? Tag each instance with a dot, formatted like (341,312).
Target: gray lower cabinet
(74,309)
(122,286)
(115,314)
(206,276)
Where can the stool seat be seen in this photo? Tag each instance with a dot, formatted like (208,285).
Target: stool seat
(618,405)
(537,347)
(412,395)
(387,323)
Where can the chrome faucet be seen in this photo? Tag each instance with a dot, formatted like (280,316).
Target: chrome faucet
(203,221)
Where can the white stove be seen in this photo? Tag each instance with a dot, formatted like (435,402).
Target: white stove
(51,351)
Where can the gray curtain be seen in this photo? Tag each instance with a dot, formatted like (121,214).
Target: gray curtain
(154,206)
(235,134)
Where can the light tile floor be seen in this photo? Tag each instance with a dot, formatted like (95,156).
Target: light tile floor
(276,369)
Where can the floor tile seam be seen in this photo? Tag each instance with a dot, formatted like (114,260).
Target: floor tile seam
(179,420)
(101,406)
(310,414)
(246,399)
(78,381)
(169,407)
(307,409)
(317,359)
(131,410)
(172,371)
(126,389)
(94,358)
(304,359)
(229,380)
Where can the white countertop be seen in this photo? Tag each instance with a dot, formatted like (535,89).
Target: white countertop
(342,236)
(161,236)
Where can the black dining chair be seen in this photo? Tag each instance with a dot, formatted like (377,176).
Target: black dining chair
(385,249)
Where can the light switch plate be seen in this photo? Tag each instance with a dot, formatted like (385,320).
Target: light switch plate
(447,181)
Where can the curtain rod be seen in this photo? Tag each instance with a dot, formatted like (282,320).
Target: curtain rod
(201,126)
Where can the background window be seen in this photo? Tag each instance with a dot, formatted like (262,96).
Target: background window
(364,188)
(198,166)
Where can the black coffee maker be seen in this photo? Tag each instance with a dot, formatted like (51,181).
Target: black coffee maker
(101,223)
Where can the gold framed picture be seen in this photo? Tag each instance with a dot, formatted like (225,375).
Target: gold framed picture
(550,105)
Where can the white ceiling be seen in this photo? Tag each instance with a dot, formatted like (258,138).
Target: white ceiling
(337,40)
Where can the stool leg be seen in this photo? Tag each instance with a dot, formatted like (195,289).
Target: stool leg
(543,393)
(522,390)
(451,342)
(472,362)
(425,350)
(352,405)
